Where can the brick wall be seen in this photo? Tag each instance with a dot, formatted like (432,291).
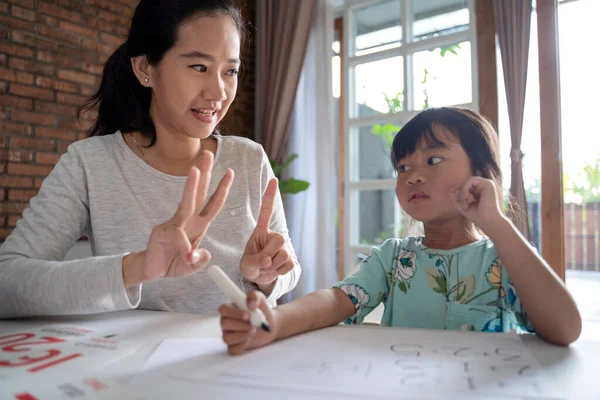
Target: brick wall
(51,56)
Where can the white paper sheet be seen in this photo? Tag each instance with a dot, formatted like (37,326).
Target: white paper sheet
(390,362)
(171,351)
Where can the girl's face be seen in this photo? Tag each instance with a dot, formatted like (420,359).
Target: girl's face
(426,177)
(196,81)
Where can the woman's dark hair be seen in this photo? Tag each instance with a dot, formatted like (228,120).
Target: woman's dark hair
(474,133)
(123,103)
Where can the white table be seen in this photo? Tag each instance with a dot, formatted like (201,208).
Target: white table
(576,367)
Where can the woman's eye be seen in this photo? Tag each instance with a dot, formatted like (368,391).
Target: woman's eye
(232,72)
(199,67)
(434,160)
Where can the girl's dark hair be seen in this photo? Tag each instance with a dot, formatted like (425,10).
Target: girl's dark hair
(123,103)
(474,133)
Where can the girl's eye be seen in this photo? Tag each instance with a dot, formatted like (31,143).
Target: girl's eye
(199,67)
(402,168)
(232,72)
(434,160)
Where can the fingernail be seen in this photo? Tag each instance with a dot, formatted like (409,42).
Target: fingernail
(195,257)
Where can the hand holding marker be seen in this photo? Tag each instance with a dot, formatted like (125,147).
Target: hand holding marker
(235,294)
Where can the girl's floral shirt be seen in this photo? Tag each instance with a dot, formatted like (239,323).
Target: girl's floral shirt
(466,288)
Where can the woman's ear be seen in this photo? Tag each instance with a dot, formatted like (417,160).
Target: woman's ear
(142,70)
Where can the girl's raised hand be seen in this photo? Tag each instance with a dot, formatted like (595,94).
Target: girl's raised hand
(477,199)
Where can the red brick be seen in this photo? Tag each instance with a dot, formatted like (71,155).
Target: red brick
(107,5)
(11,127)
(56,84)
(21,194)
(29,40)
(62,134)
(15,156)
(96,69)
(77,29)
(58,12)
(5,233)
(15,181)
(78,77)
(2,220)
(2,59)
(97,46)
(14,23)
(31,91)
(3,34)
(2,194)
(72,5)
(3,7)
(37,183)
(58,36)
(13,219)
(3,87)
(23,3)
(15,76)
(22,13)
(61,147)
(29,170)
(77,54)
(53,108)
(31,117)
(47,158)
(30,66)
(16,102)
(32,143)
(113,18)
(72,99)
(87,90)
(15,50)
(112,39)
(69,62)
(46,20)
(69,124)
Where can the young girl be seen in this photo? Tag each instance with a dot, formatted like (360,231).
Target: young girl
(456,276)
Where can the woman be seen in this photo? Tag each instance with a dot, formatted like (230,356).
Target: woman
(162,94)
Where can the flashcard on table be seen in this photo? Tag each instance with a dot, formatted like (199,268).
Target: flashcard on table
(82,388)
(30,353)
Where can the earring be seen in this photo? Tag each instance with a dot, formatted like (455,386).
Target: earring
(146,80)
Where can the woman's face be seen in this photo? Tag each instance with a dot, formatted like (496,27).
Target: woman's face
(196,81)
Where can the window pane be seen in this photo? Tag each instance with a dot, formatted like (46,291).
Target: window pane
(440,17)
(379,216)
(379,87)
(377,27)
(579,88)
(442,76)
(372,151)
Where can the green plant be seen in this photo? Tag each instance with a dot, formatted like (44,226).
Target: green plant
(586,187)
(290,185)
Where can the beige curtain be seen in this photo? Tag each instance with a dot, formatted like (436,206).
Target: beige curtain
(513,22)
(283,31)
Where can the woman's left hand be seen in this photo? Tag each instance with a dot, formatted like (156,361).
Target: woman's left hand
(265,256)
(477,200)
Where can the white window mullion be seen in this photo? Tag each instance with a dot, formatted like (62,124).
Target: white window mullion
(407,37)
(474,64)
